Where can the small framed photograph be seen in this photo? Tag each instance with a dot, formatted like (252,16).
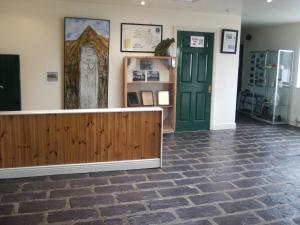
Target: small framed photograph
(138,75)
(133,99)
(147,98)
(153,75)
(146,64)
(163,98)
(229,41)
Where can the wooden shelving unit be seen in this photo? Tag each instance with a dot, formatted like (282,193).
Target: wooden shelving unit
(166,66)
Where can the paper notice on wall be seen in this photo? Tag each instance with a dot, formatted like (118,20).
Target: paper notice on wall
(197,41)
(285,76)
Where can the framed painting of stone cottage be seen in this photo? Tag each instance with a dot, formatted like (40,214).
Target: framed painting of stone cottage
(86,63)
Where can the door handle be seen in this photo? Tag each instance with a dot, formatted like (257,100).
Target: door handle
(209,89)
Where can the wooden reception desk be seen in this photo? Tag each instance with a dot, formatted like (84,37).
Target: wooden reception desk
(34,143)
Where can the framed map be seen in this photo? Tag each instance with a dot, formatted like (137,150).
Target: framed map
(140,37)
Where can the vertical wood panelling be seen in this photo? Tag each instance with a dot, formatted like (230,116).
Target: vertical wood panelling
(36,140)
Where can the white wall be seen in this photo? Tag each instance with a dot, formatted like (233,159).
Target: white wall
(285,36)
(34,29)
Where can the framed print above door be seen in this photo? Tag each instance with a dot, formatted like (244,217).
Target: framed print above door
(140,37)
(86,63)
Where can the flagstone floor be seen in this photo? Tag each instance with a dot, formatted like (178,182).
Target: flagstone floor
(246,176)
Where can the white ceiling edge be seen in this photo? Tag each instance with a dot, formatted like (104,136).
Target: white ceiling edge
(260,13)
(253,12)
(223,7)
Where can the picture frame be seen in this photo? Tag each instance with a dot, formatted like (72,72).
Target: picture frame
(153,75)
(229,41)
(133,99)
(140,37)
(83,77)
(163,98)
(147,98)
(138,75)
(146,64)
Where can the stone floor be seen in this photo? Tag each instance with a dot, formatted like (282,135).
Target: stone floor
(238,177)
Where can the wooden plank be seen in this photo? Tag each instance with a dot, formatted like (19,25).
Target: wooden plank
(52,139)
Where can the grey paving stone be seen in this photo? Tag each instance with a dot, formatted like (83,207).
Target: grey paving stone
(297,220)
(207,165)
(41,205)
(197,212)
(215,187)
(184,162)
(143,171)
(127,179)
(107,174)
(241,219)
(152,218)
(230,169)
(168,203)
(91,201)
(8,188)
(6,209)
(278,199)
(68,176)
(149,185)
(255,173)
(70,192)
(38,186)
(118,210)
(102,222)
(88,182)
(208,198)
(226,177)
(166,176)
(18,197)
(196,173)
(114,188)
(32,219)
(249,182)
(246,193)
(177,168)
(188,181)
(68,215)
(281,223)
(239,206)
(136,196)
(179,191)
(277,213)
(199,222)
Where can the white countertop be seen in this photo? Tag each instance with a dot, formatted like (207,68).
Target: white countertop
(77,111)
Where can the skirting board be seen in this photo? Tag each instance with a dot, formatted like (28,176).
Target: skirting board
(78,168)
(293,123)
(225,126)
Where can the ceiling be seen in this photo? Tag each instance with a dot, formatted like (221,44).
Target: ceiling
(258,12)
(254,12)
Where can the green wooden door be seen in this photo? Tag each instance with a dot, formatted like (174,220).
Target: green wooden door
(10,83)
(194,77)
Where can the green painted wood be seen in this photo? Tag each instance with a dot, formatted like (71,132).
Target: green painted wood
(10,99)
(194,79)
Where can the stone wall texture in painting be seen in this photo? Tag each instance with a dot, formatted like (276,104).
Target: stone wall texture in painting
(86,63)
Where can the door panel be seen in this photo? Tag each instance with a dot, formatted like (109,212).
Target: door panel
(187,67)
(202,68)
(194,81)
(200,106)
(185,112)
(10,83)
